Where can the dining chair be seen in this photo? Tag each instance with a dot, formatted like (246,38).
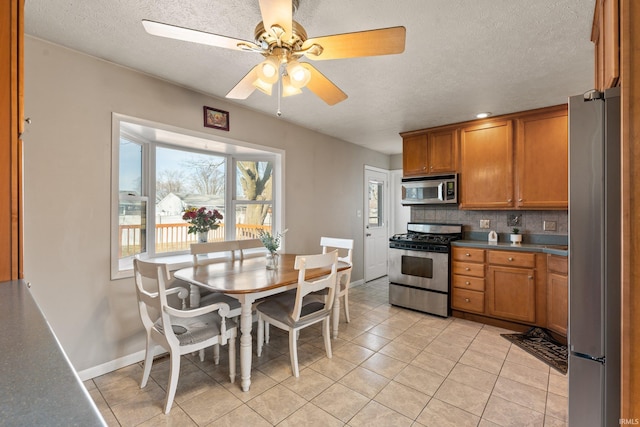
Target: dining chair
(251,248)
(290,312)
(344,276)
(178,331)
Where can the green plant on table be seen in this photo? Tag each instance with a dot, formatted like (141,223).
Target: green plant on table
(270,241)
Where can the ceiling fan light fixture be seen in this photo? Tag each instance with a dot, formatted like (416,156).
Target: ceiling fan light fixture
(263,86)
(298,74)
(268,70)
(287,88)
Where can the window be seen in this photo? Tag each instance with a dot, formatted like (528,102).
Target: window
(158,178)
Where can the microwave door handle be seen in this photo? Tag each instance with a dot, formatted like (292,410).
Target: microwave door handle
(441,191)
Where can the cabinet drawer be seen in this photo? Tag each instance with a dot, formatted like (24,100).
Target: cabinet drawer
(468,269)
(468,300)
(470,283)
(468,254)
(557,264)
(512,259)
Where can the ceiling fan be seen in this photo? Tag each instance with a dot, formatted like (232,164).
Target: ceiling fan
(283,42)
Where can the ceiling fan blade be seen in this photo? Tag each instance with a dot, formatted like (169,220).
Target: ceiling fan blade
(383,41)
(323,87)
(245,87)
(278,12)
(195,36)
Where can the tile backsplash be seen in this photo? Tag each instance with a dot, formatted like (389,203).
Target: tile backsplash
(530,222)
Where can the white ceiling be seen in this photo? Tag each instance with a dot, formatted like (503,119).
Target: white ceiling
(461,56)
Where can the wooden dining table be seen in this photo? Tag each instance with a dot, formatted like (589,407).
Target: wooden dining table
(249,280)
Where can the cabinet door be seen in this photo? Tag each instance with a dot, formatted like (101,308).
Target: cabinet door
(414,155)
(543,161)
(511,293)
(443,152)
(557,302)
(486,170)
(605,36)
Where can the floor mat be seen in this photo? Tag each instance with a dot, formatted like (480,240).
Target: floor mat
(540,344)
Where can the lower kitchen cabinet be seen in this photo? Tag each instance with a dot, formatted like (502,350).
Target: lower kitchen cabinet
(500,285)
(511,293)
(557,294)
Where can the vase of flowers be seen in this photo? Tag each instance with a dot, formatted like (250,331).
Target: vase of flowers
(202,220)
(272,243)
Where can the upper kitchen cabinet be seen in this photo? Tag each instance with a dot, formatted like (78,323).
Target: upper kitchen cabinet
(486,165)
(432,152)
(542,160)
(605,34)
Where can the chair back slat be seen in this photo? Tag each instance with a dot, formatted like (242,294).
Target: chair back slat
(304,262)
(246,246)
(328,243)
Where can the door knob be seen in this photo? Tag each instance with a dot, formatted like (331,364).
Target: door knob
(368,234)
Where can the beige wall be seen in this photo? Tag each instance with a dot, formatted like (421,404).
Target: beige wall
(70,97)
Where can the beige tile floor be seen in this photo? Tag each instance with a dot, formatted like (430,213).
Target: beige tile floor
(390,367)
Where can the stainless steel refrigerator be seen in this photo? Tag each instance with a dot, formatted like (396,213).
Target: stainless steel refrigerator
(594,259)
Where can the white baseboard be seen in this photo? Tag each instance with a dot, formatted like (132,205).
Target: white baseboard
(116,364)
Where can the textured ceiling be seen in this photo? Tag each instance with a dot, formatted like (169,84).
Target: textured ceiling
(461,56)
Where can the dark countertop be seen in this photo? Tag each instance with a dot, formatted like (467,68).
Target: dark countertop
(38,385)
(562,250)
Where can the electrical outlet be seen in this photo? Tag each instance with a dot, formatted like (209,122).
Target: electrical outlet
(485,223)
(549,225)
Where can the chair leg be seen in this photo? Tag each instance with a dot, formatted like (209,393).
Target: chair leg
(216,353)
(260,337)
(174,373)
(346,306)
(148,361)
(266,332)
(232,359)
(293,350)
(201,353)
(327,336)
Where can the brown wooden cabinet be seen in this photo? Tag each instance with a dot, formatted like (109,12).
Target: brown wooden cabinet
(542,160)
(557,294)
(511,286)
(605,34)
(11,114)
(467,281)
(434,152)
(486,165)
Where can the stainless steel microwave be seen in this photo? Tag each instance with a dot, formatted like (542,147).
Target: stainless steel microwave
(430,190)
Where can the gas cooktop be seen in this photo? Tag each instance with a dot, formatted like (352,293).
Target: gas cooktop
(426,236)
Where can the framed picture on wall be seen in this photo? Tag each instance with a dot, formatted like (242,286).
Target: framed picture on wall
(217,119)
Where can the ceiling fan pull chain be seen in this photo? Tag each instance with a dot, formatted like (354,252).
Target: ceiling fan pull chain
(279,113)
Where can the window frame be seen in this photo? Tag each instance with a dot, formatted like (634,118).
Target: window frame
(190,141)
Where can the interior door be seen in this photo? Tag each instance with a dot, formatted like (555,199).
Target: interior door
(376,224)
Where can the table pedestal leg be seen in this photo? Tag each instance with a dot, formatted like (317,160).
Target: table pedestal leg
(245,345)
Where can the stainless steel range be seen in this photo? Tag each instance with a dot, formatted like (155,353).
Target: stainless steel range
(419,267)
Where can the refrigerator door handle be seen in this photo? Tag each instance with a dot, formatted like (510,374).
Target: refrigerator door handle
(586,356)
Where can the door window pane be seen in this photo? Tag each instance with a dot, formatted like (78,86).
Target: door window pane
(375,204)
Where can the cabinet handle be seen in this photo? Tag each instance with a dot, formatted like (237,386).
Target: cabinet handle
(530,277)
(467,283)
(467,268)
(510,259)
(467,300)
(519,200)
(509,200)
(467,254)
